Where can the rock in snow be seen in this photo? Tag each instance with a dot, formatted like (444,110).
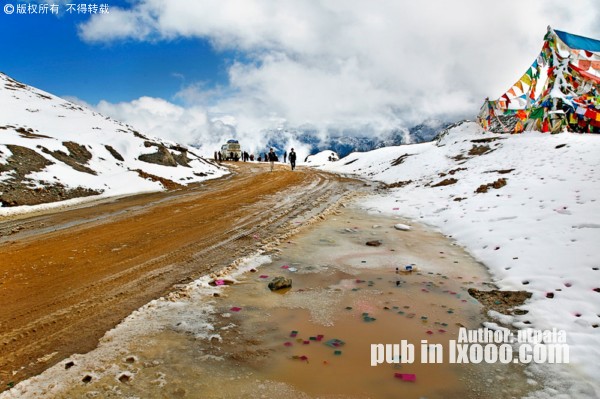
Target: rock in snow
(402,227)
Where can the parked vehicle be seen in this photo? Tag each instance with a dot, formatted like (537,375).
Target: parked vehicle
(231,151)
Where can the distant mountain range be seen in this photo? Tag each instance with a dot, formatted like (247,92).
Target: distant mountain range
(346,144)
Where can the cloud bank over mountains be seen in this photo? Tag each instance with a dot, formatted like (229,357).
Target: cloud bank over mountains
(351,65)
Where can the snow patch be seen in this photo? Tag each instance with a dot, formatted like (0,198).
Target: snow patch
(536,231)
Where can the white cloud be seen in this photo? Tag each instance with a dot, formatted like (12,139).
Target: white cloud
(160,118)
(191,125)
(369,66)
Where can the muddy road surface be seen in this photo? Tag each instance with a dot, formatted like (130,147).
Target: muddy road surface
(68,277)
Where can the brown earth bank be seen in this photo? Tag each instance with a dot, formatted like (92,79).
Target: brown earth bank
(68,277)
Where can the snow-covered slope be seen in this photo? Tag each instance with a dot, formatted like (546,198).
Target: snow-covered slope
(53,150)
(321,158)
(527,206)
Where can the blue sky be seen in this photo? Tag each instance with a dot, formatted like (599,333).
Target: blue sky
(202,71)
(46,51)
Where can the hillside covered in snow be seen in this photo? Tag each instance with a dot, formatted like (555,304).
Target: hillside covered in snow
(528,207)
(53,150)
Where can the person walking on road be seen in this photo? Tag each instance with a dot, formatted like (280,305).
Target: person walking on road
(272,158)
(285,157)
(293,159)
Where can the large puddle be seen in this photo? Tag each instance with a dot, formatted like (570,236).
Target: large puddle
(313,340)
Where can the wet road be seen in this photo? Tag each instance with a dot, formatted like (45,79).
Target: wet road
(68,277)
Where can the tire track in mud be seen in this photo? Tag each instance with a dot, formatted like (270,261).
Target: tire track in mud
(258,209)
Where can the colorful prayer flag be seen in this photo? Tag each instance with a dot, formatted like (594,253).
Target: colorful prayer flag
(585,64)
(519,84)
(590,114)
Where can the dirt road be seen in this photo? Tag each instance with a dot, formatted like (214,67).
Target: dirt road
(68,277)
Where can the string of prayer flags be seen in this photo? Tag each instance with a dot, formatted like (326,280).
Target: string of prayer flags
(569,84)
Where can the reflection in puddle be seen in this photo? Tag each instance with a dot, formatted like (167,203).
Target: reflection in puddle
(314,340)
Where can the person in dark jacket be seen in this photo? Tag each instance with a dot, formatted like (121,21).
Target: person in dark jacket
(272,158)
(292,157)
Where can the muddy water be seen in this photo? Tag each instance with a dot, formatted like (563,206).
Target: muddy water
(314,340)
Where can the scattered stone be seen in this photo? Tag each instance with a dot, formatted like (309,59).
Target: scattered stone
(497,184)
(480,150)
(181,158)
(374,243)
(402,227)
(446,182)
(453,171)
(77,157)
(161,157)
(19,189)
(501,301)
(400,159)
(487,140)
(116,155)
(279,283)
(78,152)
(399,184)
(501,171)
